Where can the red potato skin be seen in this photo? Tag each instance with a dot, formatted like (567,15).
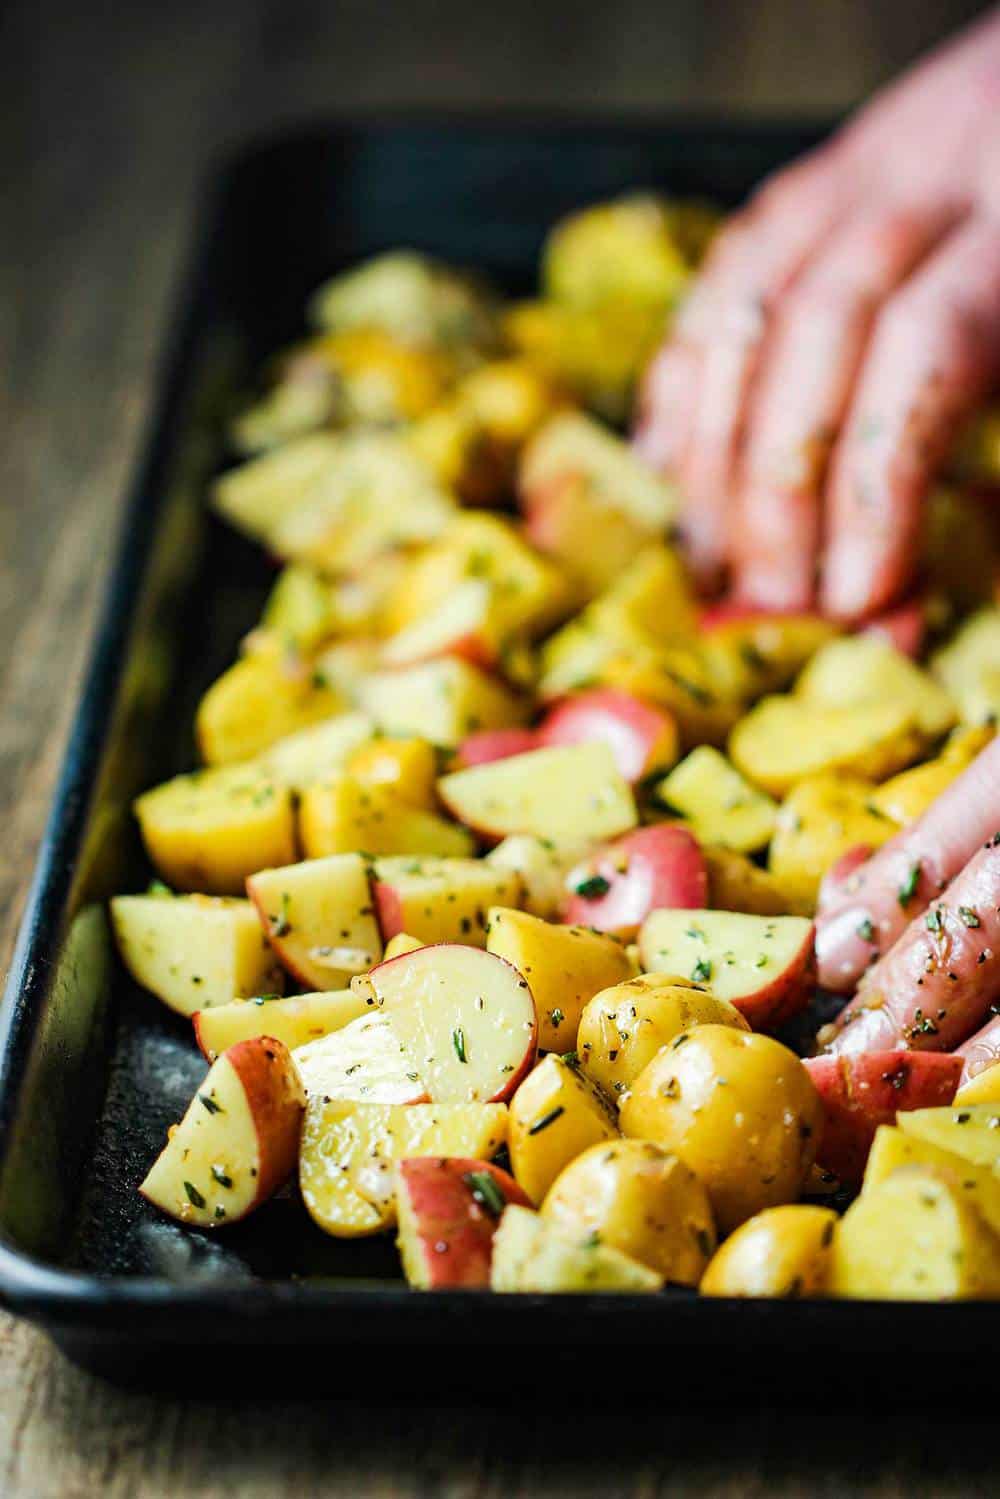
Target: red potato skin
(495,744)
(454,1232)
(939,844)
(981,1050)
(388,911)
(655,868)
(786,995)
(860,1093)
(934,988)
(641,738)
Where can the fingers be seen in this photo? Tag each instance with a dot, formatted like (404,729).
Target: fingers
(864,912)
(807,372)
(935,355)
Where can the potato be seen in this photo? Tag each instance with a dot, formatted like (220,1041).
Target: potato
(462,623)
(893,1147)
(259,700)
(782,1251)
(907,796)
(596,353)
(622,1028)
(449,1210)
(631,1196)
(296,1020)
(442,701)
(819,820)
(620,251)
(211,829)
(968,667)
(554,1116)
(982,1087)
(970,1130)
(717,802)
(254,496)
(319,918)
(530,1254)
(440,900)
(572,792)
(406,766)
(573,443)
(735,883)
(300,609)
(341,814)
(400,944)
(542,865)
(784,740)
(764,651)
(349,1153)
(414,298)
(347,664)
(738,1108)
(193,951)
(643,739)
(860,669)
(914,1237)
(564,967)
(372,379)
(682,679)
(579,526)
(309,755)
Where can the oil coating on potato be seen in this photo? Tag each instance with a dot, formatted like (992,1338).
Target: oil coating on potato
(780,1252)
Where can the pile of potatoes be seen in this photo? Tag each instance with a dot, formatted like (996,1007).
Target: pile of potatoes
(498,875)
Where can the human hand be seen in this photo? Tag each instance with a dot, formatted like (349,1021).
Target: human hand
(846,322)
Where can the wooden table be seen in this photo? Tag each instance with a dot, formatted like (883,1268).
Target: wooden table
(110,117)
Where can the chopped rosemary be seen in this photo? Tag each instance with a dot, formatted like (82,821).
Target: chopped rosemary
(486,1192)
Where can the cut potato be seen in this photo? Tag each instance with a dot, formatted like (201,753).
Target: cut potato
(622,1028)
(684,679)
(914,1237)
(307,756)
(617,887)
(564,967)
(406,766)
(300,610)
(542,866)
(907,796)
(461,625)
(193,951)
(494,744)
(764,965)
(341,814)
(860,669)
(442,701)
(256,495)
(766,650)
(982,1087)
(294,1020)
(260,700)
(319,918)
(347,1163)
(409,296)
(211,829)
(642,739)
(449,1210)
(238,1141)
(784,1252)
(364,1060)
(555,1115)
(631,1196)
(573,443)
(440,900)
(819,821)
(626,250)
(572,522)
(400,944)
(735,883)
(575,792)
(531,1254)
(969,1130)
(969,667)
(346,666)
(893,1148)
(464,1019)
(717,802)
(785,739)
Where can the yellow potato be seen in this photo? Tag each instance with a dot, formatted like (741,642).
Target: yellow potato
(407,766)
(678,678)
(782,1251)
(914,1237)
(717,802)
(209,830)
(255,495)
(623,1028)
(259,700)
(907,796)
(410,296)
(983,1088)
(739,1108)
(400,944)
(634,1197)
(300,609)
(784,740)
(820,819)
(300,759)
(531,1254)
(596,353)
(554,1116)
(893,1147)
(971,1130)
(735,883)
(969,667)
(341,815)
(860,669)
(623,250)
(442,701)
(564,967)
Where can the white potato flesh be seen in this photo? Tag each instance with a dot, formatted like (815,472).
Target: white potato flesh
(572,792)
(530,1254)
(295,1020)
(194,951)
(461,624)
(443,701)
(440,900)
(256,495)
(307,756)
(860,669)
(733,953)
(364,1060)
(319,918)
(543,867)
(465,1019)
(720,806)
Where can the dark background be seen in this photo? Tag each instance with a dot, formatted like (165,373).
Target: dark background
(109,117)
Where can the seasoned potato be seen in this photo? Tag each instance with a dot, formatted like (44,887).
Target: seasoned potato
(208,831)
(407,767)
(907,796)
(717,802)
(782,1251)
(531,1254)
(255,495)
(984,1087)
(261,699)
(300,609)
(739,1108)
(735,883)
(596,353)
(679,678)
(442,701)
(634,1197)
(969,667)
(970,1130)
(860,669)
(624,1027)
(299,759)
(622,251)
(412,297)
(554,1115)
(784,740)
(820,819)
(893,1148)
(543,865)
(342,814)
(914,1237)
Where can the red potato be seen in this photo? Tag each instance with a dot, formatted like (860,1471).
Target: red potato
(365,1061)
(655,867)
(238,1141)
(319,918)
(643,739)
(860,1093)
(763,965)
(449,1210)
(495,744)
(464,1018)
(904,627)
(935,986)
(918,863)
(567,791)
(441,900)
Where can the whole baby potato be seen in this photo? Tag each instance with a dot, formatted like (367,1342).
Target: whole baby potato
(635,1197)
(739,1108)
(622,1028)
(781,1252)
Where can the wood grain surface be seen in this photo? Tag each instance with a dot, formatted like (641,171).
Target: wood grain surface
(111,114)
